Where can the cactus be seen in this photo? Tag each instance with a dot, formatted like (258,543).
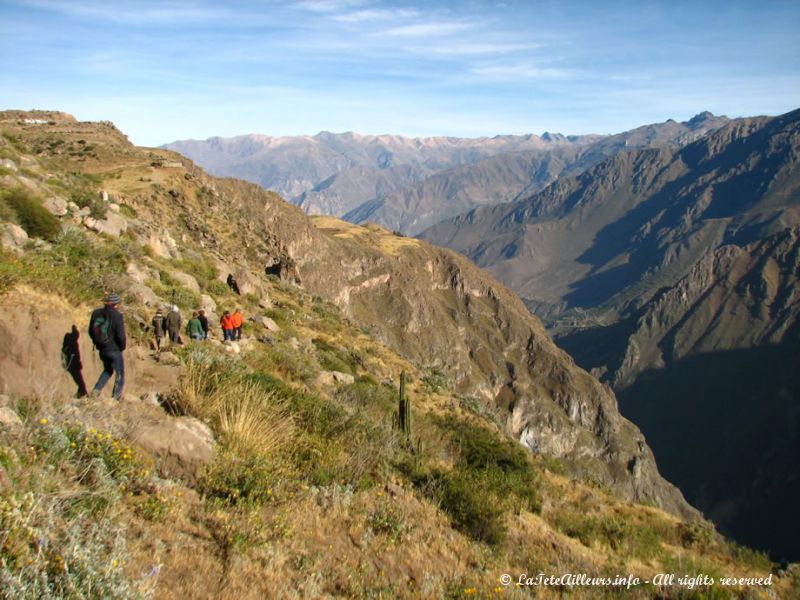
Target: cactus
(404,409)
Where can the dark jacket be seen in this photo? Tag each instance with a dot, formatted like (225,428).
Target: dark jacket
(159,325)
(116,332)
(173,321)
(203,322)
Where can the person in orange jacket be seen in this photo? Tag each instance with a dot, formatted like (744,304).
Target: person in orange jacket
(238,321)
(227,325)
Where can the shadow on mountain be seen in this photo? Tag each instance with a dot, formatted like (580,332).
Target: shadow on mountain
(725,428)
(729,194)
(599,347)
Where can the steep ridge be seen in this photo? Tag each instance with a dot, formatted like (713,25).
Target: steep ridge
(618,232)
(429,304)
(721,348)
(511,176)
(673,277)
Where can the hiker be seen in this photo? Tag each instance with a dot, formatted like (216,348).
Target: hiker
(107,330)
(201,316)
(233,285)
(238,321)
(227,325)
(159,327)
(194,329)
(173,322)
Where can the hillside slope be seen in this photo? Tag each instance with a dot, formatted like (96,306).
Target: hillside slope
(309,487)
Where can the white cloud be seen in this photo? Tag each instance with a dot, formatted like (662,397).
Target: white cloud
(377,14)
(476,48)
(330,6)
(135,13)
(521,71)
(418,30)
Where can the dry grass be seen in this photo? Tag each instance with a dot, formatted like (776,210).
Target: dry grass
(252,420)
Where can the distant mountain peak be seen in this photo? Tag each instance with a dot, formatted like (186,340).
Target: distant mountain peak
(701,118)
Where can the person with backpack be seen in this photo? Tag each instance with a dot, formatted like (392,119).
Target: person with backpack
(238,321)
(107,330)
(194,329)
(174,322)
(159,327)
(226,321)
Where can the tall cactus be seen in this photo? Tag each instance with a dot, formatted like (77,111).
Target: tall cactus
(404,409)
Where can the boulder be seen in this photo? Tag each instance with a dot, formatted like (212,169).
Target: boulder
(113,207)
(114,224)
(9,164)
(208,305)
(328,378)
(187,280)
(144,295)
(180,446)
(9,419)
(266,323)
(72,207)
(13,237)
(57,206)
(162,244)
(135,272)
(168,358)
(233,347)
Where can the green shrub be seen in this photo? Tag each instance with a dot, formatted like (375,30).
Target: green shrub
(202,269)
(236,480)
(622,536)
(75,266)
(504,465)
(434,380)
(35,219)
(331,358)
(472,506)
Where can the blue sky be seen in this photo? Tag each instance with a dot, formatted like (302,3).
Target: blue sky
(175,70)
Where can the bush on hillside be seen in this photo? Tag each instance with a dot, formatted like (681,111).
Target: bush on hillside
(31,215)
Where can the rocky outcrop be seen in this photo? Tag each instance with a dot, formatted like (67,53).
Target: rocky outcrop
(181,446)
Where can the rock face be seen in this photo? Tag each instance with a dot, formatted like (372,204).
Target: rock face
(182,446)
(673,275)
(113,224)
(13,237)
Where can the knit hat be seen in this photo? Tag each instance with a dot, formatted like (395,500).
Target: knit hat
(113,298)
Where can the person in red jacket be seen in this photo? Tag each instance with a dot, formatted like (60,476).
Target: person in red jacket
(238,321)
(227,325)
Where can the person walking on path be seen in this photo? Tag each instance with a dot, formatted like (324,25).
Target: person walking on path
(227,325)
(159,327)
(238,322)
(194,328)
(107,330)
(174,322)
(201,315)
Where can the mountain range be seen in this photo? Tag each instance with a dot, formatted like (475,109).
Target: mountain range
(672,275)
(408,184)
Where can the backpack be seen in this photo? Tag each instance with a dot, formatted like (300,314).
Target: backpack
(100,329)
